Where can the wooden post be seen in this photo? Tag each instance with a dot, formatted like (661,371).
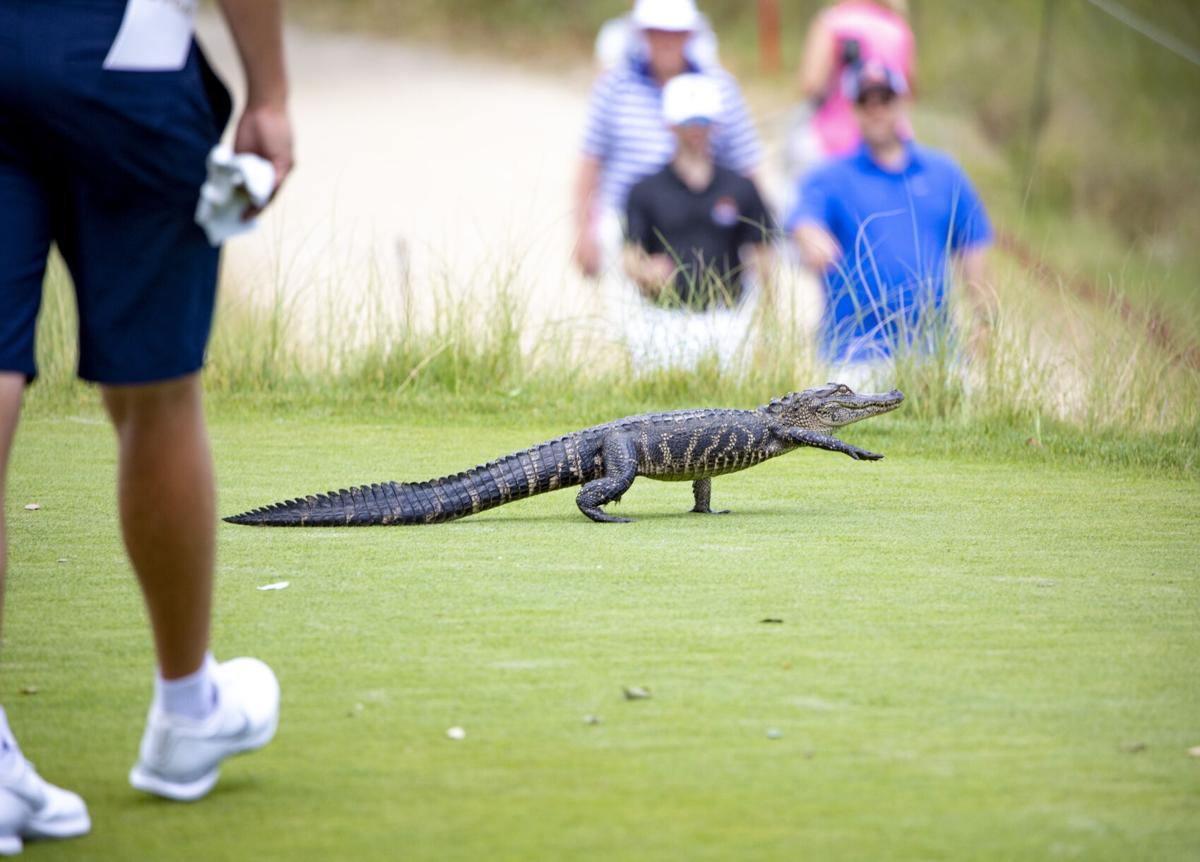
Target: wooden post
(770,55)
(1039,108)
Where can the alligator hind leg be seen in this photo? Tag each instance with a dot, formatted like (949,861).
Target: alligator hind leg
(620,468)
(702,491)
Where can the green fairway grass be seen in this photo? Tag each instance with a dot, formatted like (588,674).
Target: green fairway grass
(981,655)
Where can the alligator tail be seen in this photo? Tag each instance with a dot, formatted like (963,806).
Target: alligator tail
(546,467)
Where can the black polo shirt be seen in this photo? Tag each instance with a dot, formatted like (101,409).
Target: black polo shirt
(703,231)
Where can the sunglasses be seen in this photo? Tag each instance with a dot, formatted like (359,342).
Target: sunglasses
(875,97)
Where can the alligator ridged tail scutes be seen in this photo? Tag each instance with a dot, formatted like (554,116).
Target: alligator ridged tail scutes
(548,466)
(681,445)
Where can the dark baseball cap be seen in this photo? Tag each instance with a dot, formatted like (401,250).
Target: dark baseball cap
(874,75)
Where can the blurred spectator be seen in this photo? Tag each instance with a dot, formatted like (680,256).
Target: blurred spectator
(839,40)
(696,234)
(688,224)
(880,224)
(842,38)
(626,139)
(620,43)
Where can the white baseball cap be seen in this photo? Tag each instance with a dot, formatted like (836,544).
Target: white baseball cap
(677,15)
(691,98)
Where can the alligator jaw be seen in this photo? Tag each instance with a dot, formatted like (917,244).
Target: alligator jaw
(845,408)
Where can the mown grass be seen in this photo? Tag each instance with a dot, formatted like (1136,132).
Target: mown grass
(979,658)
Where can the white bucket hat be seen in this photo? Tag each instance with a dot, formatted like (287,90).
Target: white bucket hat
(677,15)
(691,99)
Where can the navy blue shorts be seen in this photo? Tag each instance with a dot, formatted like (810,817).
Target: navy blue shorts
(107,165)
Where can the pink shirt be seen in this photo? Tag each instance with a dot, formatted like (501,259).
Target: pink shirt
(882,35)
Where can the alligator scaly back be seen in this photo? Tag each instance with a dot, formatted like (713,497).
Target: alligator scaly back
(560,463)
(679,445)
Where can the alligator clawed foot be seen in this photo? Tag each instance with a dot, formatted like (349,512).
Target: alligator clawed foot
(864,455)
(602,517)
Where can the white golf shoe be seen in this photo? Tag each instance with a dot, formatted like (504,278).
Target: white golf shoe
(31,807)
(180,759)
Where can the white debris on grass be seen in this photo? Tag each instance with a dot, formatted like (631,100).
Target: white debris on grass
(278,585)
(456,733)
(774,733)
(33,507)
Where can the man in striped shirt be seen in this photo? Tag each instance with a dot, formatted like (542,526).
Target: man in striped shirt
(626,138)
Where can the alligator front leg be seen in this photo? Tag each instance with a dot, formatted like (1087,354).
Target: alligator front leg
(619,457)
(805,437)
(702,491)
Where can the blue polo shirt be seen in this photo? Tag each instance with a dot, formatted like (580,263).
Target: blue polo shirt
(897,230)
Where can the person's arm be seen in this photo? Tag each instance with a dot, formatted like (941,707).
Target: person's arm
(650,272)
(756,229)
(971,235)
(587,243)
(976,279)
(264,127)
(816,63)
(818,247)
(761,258)
(976,276)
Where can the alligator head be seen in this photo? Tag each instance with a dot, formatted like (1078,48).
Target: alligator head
(831,406)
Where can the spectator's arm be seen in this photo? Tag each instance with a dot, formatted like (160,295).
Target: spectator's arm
(816,63)
(587,242)
(761,258)
(976,275)
(264,127)
(650,272)
(976,278)
(818,247)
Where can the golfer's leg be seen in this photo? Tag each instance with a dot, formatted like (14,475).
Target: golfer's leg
(166,500)
(12,385)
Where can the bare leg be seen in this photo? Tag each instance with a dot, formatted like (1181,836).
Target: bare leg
(12,385)
(168,512)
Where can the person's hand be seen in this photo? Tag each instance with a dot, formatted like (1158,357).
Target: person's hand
(266,131)
(661,270)
(818,247)
(656,273)
(588,254)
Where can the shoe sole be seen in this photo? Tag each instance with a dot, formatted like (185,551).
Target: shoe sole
(189,791)
(12,845)
(69,828)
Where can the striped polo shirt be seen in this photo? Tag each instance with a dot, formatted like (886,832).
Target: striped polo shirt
(627,134)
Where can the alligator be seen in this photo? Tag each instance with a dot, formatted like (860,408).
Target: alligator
(676,446)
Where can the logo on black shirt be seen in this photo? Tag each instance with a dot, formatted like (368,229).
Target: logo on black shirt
(725,211)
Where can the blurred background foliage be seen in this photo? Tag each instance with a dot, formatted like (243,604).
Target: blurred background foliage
(1113,150)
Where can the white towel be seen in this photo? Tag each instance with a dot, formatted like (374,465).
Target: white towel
(234,183)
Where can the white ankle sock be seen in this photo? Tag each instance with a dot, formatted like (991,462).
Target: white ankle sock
(10,752)
(193,696)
